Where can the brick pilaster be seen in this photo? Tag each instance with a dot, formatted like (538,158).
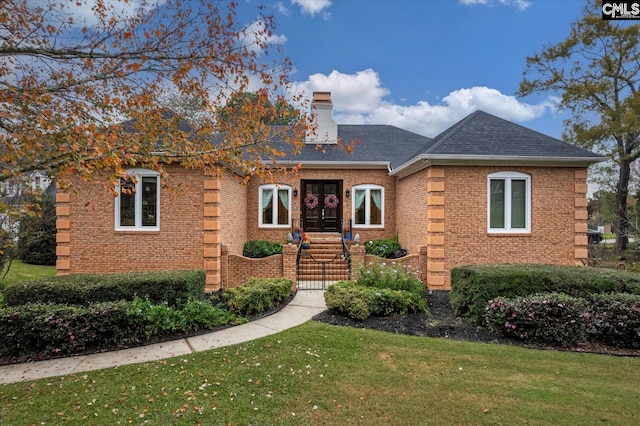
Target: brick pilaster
(63,233)
(357,258)
(580,216)
(289,252)
(211,227)
(435,269)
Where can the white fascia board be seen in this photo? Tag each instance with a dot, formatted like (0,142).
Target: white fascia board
(338,164)
(422,161)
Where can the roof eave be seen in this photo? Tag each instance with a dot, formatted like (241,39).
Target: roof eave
(424,161)
(337,164)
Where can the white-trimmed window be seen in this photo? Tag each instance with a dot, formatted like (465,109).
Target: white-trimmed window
(274,203)
(509,202)
(368,206)
(138,201)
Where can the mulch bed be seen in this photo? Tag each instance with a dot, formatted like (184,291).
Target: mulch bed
(443,324)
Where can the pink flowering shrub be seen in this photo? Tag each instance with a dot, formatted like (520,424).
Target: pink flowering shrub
(615,320)
(553,319)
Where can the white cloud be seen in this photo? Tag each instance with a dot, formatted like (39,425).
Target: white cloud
(284,10)
(313,7)
(255,34)
(360,99)
(519,4)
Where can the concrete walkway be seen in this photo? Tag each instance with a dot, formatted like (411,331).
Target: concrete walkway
(301,309)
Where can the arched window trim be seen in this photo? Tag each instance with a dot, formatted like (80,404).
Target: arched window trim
(275,206)
(367,188)
(140,204)
(508,177)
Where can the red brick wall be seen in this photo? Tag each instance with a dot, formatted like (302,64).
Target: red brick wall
(349,179)
(411,211)
(233,207)
(88,242)
(558,212)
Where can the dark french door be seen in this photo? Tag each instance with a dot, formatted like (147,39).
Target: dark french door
(321,205)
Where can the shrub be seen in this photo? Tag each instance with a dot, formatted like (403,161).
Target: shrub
(386,247)
(394,276)
(380,290)
(473,286)
(615,320)
(257,296)
(261,248)
(34,331)
(547,319)
(37,232)
(165,286)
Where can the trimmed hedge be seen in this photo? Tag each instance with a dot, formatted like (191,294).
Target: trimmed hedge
(164,286)
(40,331)
(261,248)
(388,248)
(473,286)
(614,319)
(257,295)
(549,319)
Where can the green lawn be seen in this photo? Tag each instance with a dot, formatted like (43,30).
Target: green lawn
(22,272)
(322,374)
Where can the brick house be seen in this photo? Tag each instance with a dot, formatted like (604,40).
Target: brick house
(483,191)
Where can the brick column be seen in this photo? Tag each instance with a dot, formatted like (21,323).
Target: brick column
(224,266)
(357,259)
(580,216)
(211,228)
(422,263)
(435,274)
(289,253)
(63,233)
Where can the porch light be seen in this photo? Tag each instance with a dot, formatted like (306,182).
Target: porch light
(347,193)
(295,192)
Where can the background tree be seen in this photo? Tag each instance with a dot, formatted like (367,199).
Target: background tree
(66,83)
(596,71)
(37,231)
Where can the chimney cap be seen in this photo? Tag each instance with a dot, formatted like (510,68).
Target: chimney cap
(322,97)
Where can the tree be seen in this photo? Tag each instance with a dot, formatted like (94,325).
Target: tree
(37,231)
(596,71)
(67,83)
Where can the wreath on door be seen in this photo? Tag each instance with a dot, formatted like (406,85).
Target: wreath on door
(331,201)
(311,201)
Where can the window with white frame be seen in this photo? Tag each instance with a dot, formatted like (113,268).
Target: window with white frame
(368,206)
(509,202)
(138,201)
(274,205)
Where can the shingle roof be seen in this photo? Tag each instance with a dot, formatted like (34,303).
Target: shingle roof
(376,144)
(484,134)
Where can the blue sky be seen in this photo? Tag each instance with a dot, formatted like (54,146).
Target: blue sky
(422,65)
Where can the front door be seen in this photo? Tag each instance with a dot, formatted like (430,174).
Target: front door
(321,205)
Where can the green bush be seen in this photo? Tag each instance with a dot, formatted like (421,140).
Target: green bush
(614,319)
(37,232)
(473,286)
(381,290)
(36,331)
(553,319)
(164,286)
(395,276)
(386,247)
(257,296)
(261,248)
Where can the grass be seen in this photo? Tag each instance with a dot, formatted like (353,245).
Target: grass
(22,272)
(322,374)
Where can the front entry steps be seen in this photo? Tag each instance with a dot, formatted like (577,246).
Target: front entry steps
(323,262)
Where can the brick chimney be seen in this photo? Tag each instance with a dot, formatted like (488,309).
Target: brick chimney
(326,129)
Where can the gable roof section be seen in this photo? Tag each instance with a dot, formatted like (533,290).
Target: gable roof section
(482,138)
